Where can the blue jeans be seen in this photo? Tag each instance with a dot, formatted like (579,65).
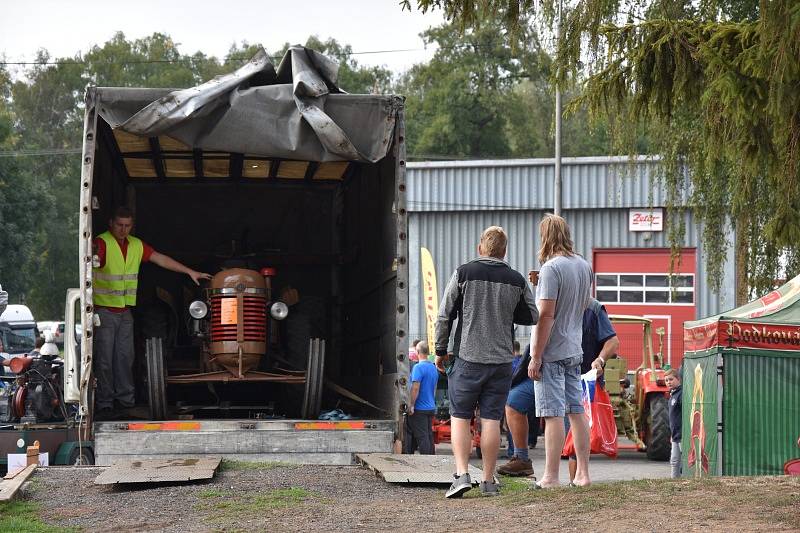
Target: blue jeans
(521,398)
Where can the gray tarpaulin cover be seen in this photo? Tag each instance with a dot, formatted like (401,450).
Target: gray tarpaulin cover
(295,111)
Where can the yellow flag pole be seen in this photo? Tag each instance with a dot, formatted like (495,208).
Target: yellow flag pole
(430,295)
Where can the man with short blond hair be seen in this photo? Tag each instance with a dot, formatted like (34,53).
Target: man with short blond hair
(487,297)
(494,241)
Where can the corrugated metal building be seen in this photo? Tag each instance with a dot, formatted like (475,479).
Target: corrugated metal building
(451,202)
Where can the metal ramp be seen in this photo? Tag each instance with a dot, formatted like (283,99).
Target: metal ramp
(433,469)
(159,471)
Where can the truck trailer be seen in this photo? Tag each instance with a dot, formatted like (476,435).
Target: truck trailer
(291,193)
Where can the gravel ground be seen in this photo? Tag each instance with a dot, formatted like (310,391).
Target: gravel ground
(281,496)
(302,498)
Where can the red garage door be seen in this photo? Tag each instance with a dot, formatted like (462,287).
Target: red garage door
(636,281)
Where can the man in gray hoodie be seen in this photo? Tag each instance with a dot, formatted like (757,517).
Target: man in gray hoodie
(487,297)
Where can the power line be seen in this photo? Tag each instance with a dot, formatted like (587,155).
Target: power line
(235,58)
(191,59)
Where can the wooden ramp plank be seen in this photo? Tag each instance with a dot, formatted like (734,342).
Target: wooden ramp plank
(397,468)
(9,487)
(160,471)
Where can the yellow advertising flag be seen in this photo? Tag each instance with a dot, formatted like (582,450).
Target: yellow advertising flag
(430,295)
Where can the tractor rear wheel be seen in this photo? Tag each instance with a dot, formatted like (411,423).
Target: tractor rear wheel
(81,456)
(658,433)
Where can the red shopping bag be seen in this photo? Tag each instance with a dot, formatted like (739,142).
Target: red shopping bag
(603,430)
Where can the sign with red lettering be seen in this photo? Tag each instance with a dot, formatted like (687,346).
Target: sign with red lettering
(646,219)
(734,335)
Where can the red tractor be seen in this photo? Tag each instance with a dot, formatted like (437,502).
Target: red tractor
(649,401)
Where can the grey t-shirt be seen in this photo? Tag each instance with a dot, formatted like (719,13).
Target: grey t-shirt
(568,281)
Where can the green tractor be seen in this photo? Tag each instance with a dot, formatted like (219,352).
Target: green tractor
(642,416)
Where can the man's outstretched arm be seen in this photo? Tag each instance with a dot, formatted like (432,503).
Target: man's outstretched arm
(165,261)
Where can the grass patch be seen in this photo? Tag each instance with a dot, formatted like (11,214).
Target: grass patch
(775,500)
(596,496)
(251,505)
(280,498)
(212,493)
(24,516)
(232,465)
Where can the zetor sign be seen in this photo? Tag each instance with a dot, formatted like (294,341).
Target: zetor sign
(646,219)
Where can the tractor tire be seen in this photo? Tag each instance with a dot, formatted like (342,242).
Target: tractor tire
(658,432)
(81,457)
(307,320)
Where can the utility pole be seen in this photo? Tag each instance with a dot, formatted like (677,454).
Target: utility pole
(557,176)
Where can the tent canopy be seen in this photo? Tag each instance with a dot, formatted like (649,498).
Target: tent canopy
(769,325)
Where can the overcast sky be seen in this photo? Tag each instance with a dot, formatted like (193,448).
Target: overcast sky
(65,27)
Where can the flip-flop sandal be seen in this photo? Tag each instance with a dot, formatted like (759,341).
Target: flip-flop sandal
(572,485)
(536,486)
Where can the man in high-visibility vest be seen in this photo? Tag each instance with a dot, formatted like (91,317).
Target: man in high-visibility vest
(117,258)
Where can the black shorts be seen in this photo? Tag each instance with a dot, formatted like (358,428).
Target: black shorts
(475,384)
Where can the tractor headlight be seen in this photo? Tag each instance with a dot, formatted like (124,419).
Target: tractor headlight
(279,310)
(198,309)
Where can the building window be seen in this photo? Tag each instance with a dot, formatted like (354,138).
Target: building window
(657,289)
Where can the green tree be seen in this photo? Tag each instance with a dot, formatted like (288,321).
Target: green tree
(713,86)
(458,104)
(20,199)
(487,93)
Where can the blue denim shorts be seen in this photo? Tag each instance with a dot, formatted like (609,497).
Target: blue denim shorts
(521,397)
(559,391)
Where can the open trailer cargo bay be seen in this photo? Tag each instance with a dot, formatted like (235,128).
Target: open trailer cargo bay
(285,189)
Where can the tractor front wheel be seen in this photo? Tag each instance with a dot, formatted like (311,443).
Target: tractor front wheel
(658,433)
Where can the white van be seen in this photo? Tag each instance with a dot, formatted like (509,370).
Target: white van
(17,329)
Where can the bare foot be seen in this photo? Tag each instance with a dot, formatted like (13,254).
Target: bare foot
(582,482)
(547,484)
